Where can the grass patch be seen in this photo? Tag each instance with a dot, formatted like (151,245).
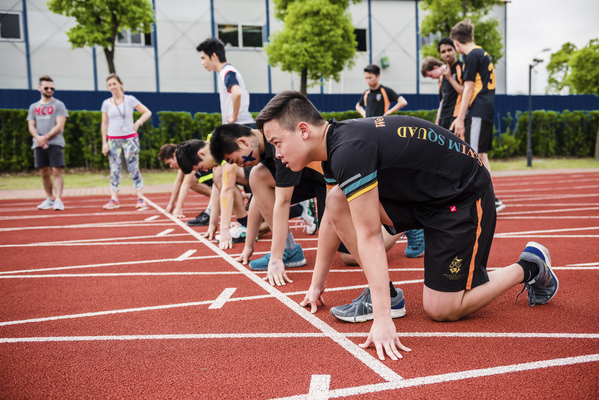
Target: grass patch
(519,164)
(75,178)
(83,179)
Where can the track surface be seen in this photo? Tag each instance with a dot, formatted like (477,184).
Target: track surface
(133,304)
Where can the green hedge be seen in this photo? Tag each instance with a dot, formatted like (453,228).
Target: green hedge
(571,133)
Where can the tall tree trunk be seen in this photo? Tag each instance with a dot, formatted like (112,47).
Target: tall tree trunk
(464,7)
(110,59)
(304,82)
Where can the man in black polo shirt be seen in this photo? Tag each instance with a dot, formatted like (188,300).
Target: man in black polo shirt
(403,172)
(376,100)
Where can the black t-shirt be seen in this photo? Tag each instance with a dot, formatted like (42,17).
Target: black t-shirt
(413,162)
(285,177)
(478,68)
(378,101)
(451,99)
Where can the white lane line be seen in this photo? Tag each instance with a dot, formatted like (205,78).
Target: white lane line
(370,361)
(54,215)
(456,376)
(536,217)
(185,255)
(97,244)
(319,387)
(296,335)
(550,231)
(164,232)
(116,239)
(559,210)
(152,218)
(162,260)
(124,224)
(222,299)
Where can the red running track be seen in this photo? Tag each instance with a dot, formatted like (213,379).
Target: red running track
(129,304)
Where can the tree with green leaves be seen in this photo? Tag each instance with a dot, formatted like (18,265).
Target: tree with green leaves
(100,21)
(574,71)
(442,15)
(317,39)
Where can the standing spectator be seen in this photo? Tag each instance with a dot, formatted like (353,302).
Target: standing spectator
(234,108)
(474,123)
(451,84)
(119,135)
(46,120)
(377,100)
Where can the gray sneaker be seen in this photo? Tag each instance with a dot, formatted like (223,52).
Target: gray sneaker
(544,286)
(46,204)
(58,206)
(360,309)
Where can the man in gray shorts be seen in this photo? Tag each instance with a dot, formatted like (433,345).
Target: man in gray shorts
(46,120)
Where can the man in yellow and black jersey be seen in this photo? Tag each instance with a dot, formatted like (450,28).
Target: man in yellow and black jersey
(378,98)
(402,172)
(475,120)
(451,85)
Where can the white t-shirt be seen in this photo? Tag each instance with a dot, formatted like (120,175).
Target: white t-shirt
(120,119)
(226,104)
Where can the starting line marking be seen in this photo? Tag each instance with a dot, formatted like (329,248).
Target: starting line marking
(152,218)
(360,354)
(185,255)
(296,335)
(222,299)
(165,232)
(455,376)
(319,387)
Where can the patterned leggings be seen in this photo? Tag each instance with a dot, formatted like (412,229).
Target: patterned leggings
(130,147)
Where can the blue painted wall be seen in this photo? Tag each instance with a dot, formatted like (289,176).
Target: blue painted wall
(209,102)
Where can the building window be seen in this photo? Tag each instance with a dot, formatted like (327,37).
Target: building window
(248,36)
(361,39)
(10,25)
(126,38)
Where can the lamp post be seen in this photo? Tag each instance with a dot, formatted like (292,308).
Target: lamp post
(535,62)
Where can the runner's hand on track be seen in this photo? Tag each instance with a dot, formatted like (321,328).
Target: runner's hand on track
(384,337)
(313,298)
(178,213)
(226,241)
(245,255)
(276,274)
(210,232)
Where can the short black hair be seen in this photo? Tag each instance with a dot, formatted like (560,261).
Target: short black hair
(445,40)
(213,46)
(289,108)
(187,154)
(167,151)
(373,69)
(224,140)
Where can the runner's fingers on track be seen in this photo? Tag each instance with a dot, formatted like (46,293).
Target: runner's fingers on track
(277,279)
(314,299)
(225,244)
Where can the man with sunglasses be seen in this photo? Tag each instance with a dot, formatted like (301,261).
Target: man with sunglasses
(46,120)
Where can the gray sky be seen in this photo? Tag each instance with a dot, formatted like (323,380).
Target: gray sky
(533,25)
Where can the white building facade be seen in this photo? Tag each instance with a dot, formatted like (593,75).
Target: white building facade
(33,43)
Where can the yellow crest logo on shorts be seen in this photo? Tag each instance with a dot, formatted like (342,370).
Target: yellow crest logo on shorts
(455,266)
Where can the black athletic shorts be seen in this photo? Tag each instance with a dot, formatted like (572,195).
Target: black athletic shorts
(479,134)
(53,156)
(446,122)
(457,243)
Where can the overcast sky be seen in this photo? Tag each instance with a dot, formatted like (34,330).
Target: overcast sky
(533,25)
